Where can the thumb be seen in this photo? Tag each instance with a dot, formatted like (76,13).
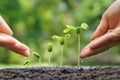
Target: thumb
(102,28)
(4,28)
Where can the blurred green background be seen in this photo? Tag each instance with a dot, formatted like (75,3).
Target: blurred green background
(35,21)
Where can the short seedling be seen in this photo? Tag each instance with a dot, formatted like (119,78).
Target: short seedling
(37,55)
(78,32)
(27,61)
(50,51)
(61,40)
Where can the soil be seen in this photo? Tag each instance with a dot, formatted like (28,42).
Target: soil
(60,73)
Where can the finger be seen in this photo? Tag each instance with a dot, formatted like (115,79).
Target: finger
(98,42)
(90,52)
(20,49)
(6,40)
(4,28)
(102,28)
(14,45)
(103,40)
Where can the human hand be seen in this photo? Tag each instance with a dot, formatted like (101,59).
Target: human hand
(107,34)
(9,42)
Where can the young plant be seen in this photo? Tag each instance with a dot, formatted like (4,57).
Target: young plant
(78,32)
(61,40)
(50,51)
(27,61)
(37,55)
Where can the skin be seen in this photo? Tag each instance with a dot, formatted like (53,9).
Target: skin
(9,42)
(107,33)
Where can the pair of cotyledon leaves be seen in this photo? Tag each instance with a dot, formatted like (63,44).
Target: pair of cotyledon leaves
(68,29)
(72,28)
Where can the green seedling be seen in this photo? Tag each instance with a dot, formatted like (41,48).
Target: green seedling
(61,40)
(49,51)
(27,61)
(37,55)
(78,32)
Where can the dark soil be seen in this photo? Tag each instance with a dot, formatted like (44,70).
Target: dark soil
(57,73)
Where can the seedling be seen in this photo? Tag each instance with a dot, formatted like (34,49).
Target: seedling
(49,51)
(37,55)
(27,61)
(61,40)
(78,32)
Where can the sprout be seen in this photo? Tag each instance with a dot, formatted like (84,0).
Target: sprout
(26,62)
(77,29)
(50,51)
(37,55)
(61,40)
(49,47)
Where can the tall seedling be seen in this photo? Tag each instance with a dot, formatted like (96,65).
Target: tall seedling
(78,32)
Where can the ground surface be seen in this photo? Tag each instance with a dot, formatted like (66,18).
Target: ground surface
(57,73)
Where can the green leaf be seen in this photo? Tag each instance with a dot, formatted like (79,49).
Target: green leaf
(84,26)
(71,27)
(55,37)
(67,36)
(66,30)
(49,47)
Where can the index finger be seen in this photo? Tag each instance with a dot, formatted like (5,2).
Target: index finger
(4,28)
(103,40)
(100,44)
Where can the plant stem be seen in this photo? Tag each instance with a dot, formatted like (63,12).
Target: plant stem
(50,59)
(79,46)
(61,56)
(40,61)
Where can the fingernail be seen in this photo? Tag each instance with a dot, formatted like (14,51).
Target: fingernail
(85,53)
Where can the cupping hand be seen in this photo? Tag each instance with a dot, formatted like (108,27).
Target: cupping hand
(107,34)
(9,42)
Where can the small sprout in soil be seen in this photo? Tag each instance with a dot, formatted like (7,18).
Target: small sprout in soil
(78,32)
(37,55)
(61,40)
(50,51)
(79,45)
(26,62)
